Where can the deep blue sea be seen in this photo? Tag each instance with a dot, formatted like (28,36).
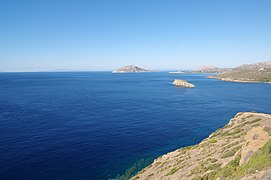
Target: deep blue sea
(95,125)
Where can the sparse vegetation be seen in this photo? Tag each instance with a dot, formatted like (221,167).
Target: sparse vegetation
(250,116)
(213,166)
(231,152)
(199,169)
(254,73)
(255,125)
(234,132)
(212,141)
(229,169)
(230,145)
(173,170)
(268,130)
(258,161)
(211,160)
(255,120)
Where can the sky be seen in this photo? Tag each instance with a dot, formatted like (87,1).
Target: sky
(45,35)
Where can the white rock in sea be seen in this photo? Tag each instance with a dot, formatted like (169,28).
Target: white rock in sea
(183,83)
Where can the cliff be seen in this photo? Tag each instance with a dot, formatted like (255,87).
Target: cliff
(130,69)
(239,150)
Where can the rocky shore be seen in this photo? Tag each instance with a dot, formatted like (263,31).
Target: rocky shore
(232,79)
(183,83)
(239,150)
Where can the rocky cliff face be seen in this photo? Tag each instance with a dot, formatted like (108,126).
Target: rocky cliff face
(130,69)
(183,83)
(239,150)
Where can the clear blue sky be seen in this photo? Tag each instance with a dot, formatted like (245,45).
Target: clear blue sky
(155,34)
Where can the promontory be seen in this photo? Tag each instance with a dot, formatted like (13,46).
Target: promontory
(239,150)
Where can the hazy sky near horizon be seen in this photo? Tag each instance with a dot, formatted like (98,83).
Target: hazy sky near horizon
(155,34)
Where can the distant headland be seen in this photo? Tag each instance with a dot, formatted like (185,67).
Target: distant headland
(257,72)
(130,69)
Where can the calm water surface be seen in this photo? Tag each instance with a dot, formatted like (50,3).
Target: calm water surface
(86,125)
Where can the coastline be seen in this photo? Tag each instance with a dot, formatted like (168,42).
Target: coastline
(236,80)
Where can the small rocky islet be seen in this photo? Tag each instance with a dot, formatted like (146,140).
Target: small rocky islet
(183,83)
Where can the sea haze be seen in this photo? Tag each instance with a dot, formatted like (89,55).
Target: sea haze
(95,125)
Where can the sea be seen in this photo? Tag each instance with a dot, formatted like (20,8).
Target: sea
(99,125)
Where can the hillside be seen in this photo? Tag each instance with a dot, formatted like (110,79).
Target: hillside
(258,72)
(239,150)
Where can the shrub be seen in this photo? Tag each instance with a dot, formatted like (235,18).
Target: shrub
(213,141)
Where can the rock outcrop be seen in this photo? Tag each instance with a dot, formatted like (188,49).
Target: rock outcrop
(239,150)
(183,83)
(130,69)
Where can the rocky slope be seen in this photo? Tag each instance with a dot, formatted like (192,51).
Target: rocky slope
(239,150)
(183,83)
(258,72)
(130,69)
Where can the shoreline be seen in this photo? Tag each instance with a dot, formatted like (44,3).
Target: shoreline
(236,80)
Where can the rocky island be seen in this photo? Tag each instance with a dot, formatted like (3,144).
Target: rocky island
(183,83)
(130,69)
(258,72)
(239,150)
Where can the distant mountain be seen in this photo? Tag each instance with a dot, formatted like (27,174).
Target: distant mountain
(256,66)
(211,69)
(130,69)
(258,72)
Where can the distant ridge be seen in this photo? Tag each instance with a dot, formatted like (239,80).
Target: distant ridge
(211,69)
(130,69)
